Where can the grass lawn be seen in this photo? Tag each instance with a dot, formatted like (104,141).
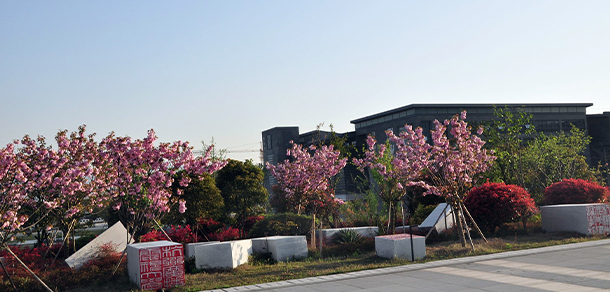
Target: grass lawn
(349,258)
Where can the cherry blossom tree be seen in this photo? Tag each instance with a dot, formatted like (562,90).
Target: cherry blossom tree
(455,165)
(79,184)
(306,177)
(450,165)
(142,176)
(26,172)
(393,172)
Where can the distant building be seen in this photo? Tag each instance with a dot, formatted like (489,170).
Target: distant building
(546,117)
(599,130)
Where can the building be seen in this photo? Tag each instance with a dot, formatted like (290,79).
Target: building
(546,117)
(599,126)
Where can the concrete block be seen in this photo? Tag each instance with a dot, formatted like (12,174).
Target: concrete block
(586,219)
(282,248)
(399,246)
(228,254)
(189,248)
(156,265)
(115,235)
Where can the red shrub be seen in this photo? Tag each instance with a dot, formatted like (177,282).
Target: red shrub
(494,204)
(177,234)
(575,191)
(250,221)
(226,234)
(58,275)
(208,225)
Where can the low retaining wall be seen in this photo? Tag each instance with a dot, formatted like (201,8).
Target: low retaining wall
(586,219)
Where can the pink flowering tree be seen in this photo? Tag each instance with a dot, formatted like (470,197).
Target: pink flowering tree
(393,172)
(306,178)
(27,168)
(13,193)
(449,165)
(79,184)
(38,165)
(455,165)
(143,173)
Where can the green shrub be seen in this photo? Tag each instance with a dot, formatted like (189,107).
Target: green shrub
(366,245)
(84,239)
(281,224)
(345,236)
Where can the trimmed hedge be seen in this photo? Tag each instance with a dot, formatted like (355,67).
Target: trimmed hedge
(281,224)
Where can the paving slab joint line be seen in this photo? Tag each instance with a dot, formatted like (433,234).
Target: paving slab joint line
(415,267)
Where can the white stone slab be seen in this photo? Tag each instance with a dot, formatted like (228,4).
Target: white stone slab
(228,254)
(586,219)
(156,265)
(399,246)
(115,235)
(189,248)
(282,248)
(364,231)
(439,220)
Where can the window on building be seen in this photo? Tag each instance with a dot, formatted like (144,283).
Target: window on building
(547,126)
(567,124)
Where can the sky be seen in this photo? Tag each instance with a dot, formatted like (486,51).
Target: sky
(228,70)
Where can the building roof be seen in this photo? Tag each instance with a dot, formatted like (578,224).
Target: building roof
(465,105)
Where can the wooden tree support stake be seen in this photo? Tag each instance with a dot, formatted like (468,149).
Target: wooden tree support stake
(8,276)
(27,269)
(161,228)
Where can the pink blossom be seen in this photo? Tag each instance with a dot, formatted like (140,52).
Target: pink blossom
(182,206)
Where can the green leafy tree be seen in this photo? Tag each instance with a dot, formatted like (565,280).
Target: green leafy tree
(552,158)
(534,160)
(241,186)
(508,134)
(203,200)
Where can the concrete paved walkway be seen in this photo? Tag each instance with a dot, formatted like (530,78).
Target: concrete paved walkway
(571,267)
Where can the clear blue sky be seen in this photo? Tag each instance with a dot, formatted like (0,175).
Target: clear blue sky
(193,70)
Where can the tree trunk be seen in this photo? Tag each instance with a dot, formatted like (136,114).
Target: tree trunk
(313,231)
(458,216)
(462,209)
(391,221)
(473,223)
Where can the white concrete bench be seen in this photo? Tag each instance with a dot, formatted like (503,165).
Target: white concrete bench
(282,248)
(399,246)
(228,254)
(586,219)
